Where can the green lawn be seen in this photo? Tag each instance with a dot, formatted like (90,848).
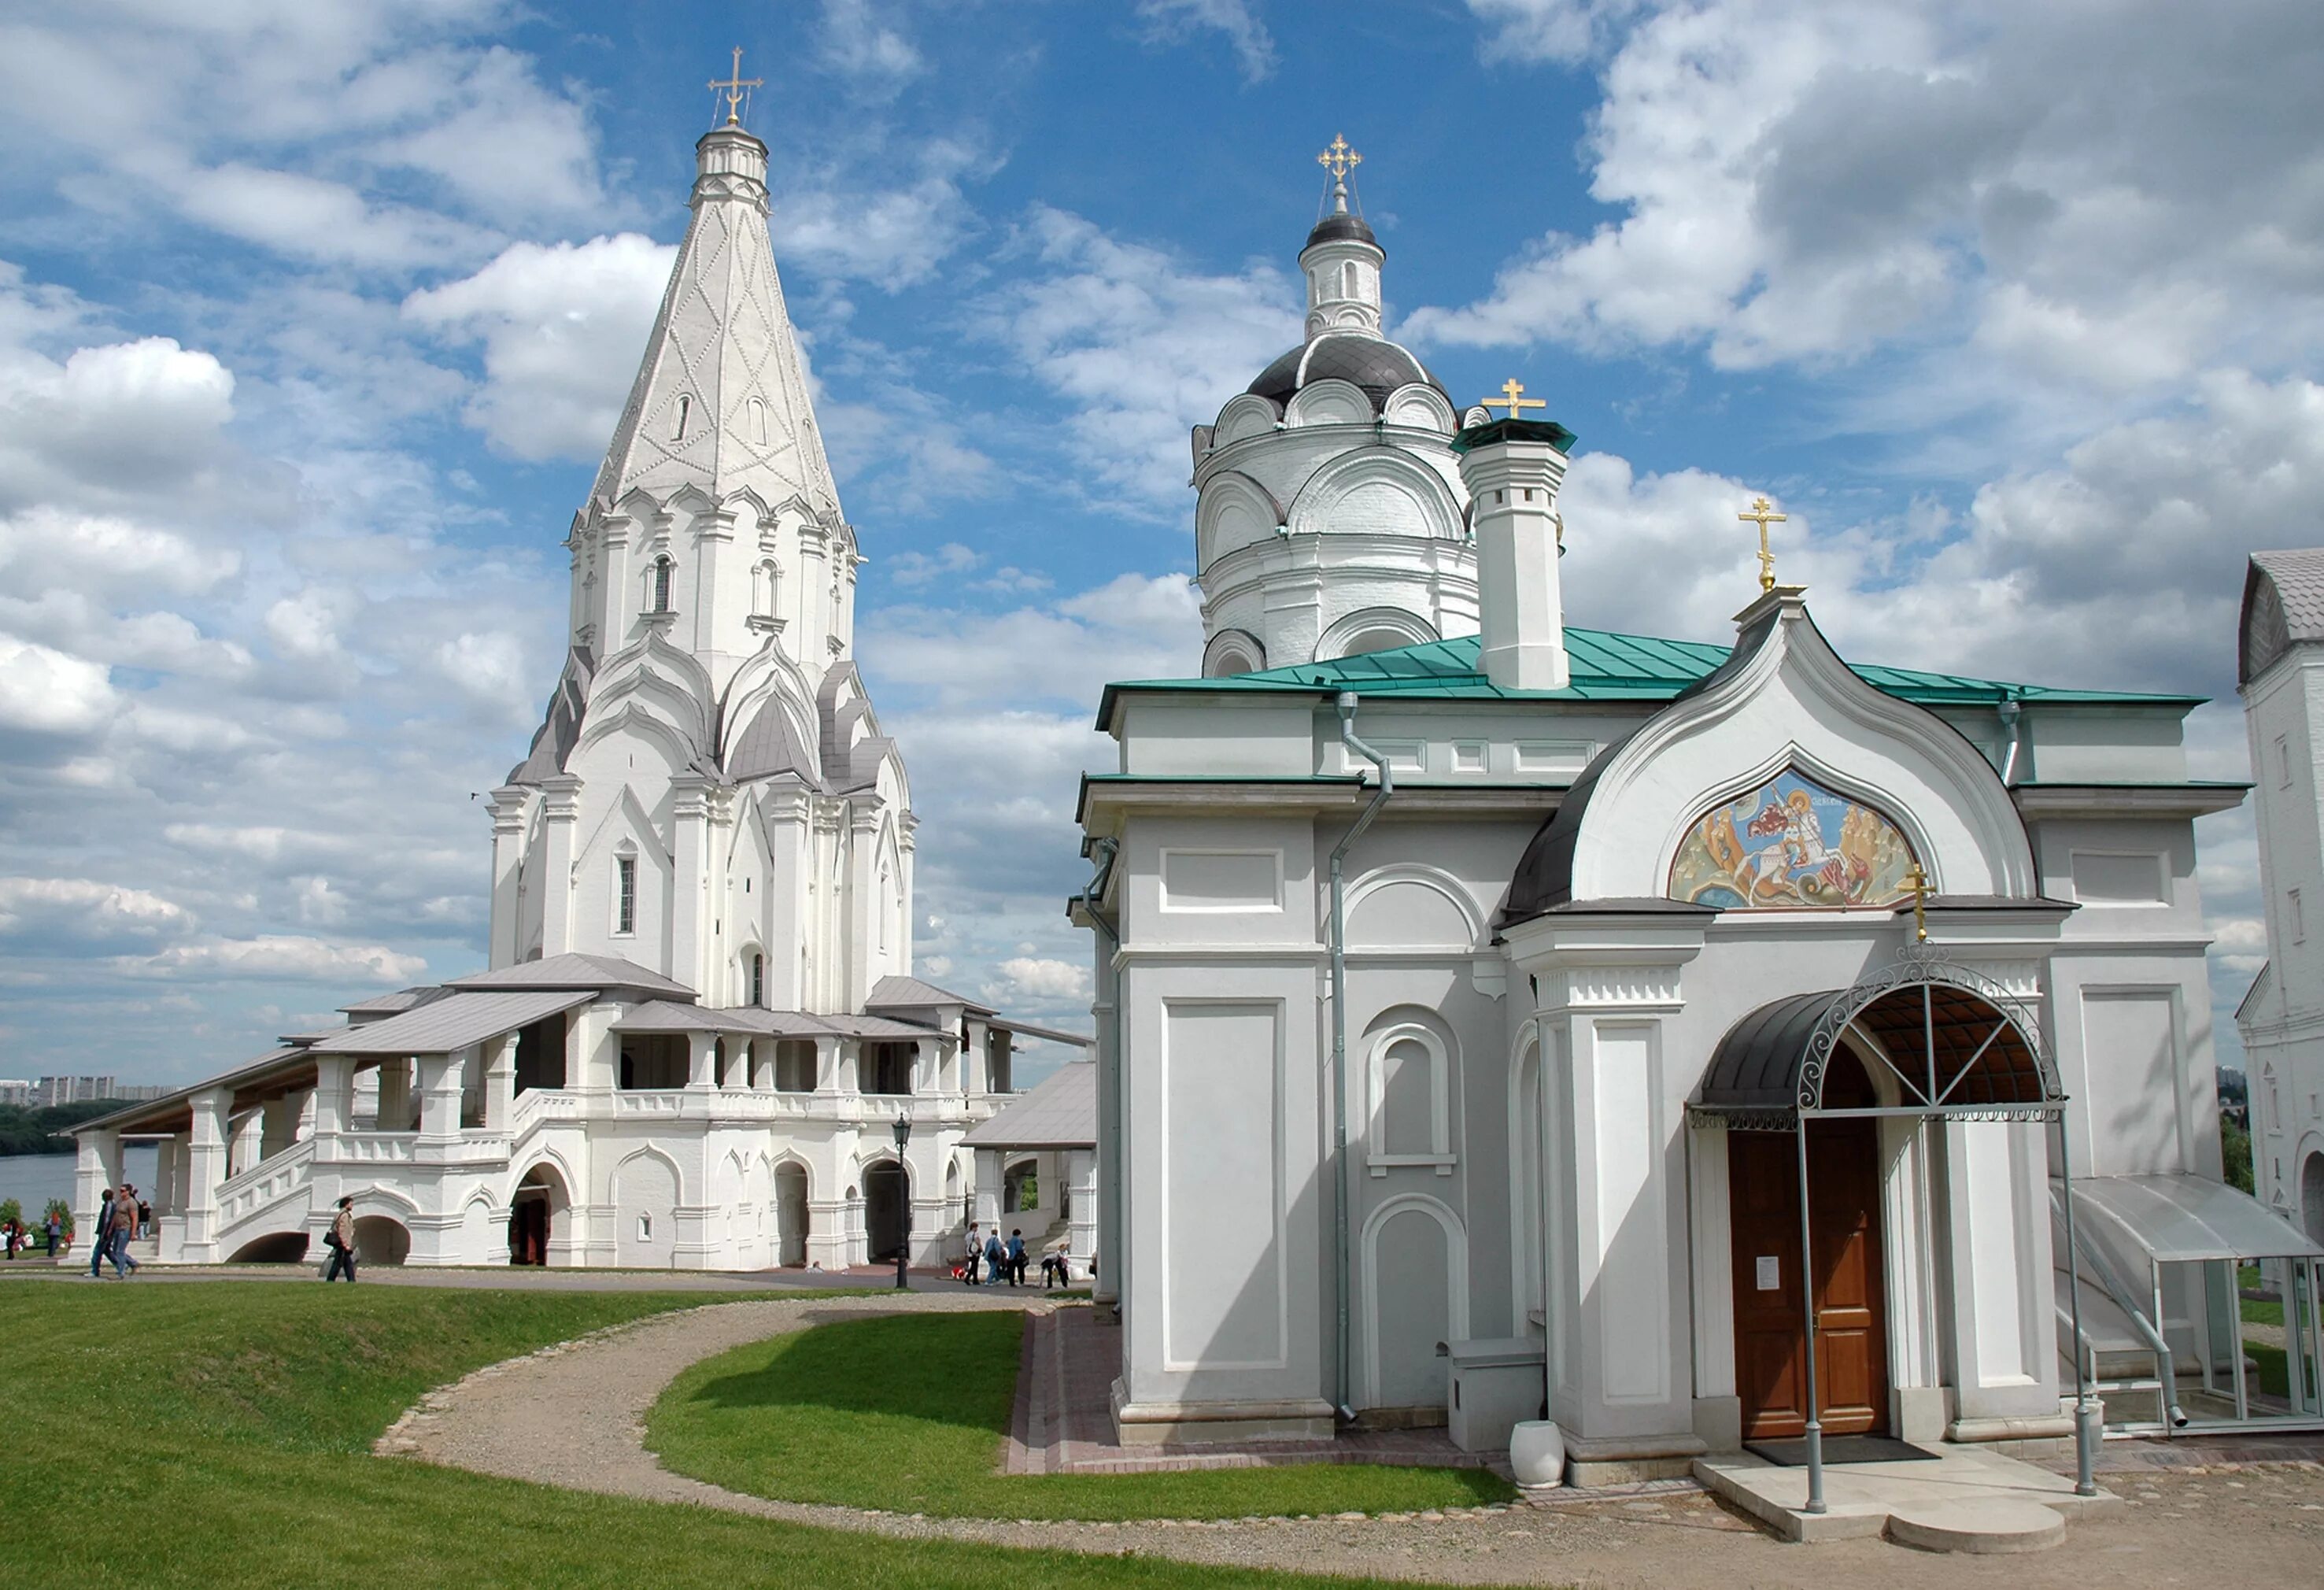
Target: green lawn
(216,1435)
(908,1413)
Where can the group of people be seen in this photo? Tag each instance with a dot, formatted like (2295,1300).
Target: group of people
(20,1236)
(1005,1261)
(122,1217)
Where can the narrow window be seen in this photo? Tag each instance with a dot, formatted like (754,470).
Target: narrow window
(759,421)
(625,895)
(2283,763)
(645,1228)
(685,409)
(757,978)
(661,585)
(2299,918)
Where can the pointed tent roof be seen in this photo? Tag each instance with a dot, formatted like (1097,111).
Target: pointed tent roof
(721,399)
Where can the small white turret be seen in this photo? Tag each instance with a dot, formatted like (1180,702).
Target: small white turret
(1513,468)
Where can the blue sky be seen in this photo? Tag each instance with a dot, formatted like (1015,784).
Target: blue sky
(314,315)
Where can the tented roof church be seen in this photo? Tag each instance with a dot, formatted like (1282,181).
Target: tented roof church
(1484,998)
(699,1036)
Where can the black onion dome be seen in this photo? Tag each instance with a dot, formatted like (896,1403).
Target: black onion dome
(1337,229)
(1372,363)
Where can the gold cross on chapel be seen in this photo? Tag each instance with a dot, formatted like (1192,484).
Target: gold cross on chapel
(1760,516)
(1339,159)
(1510,400)
(732,89)
(1917,882)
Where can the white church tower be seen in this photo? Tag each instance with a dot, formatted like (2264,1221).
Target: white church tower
(711,796)
(1332,517)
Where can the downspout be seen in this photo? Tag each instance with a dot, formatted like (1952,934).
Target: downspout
(1347,704)
(2008,710)
(1109,1165)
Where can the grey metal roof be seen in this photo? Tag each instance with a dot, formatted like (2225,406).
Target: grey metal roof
(446,1024)
(770,745)
(1059,1114)
(159,1114)
(601,972)
(391,1004)
(911,993)
(661,1015)
(878,1027)
(2283,604)
(1045,1034)
(1369,360)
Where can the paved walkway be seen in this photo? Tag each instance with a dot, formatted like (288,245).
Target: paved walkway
(528,1278)
(573,1415)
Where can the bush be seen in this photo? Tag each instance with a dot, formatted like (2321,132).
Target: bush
(2234,1150)
(62,1211)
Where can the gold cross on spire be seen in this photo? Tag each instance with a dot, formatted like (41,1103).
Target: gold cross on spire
(1510,400)
(732,89)
(1760,516)
(1917,882)
(1339,159)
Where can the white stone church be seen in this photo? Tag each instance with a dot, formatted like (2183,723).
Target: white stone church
(698,1037)
(1476,990)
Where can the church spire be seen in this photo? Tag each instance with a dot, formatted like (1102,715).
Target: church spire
(720,402)
(1342,259)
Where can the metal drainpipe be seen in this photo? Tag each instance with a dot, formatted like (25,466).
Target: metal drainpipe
(1109,1165)
(2008,710)
(1347,704)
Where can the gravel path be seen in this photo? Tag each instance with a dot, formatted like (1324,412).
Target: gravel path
(573,1415)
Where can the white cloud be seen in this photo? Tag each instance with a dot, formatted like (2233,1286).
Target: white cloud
(44,913)
(281,957)
(140,421)
(1023,977)
(918,569)
(1235,21)
(828,223)
(562,326)
(48,692)
(1562,31)
(858,45)
(1805,184)
(1140,347)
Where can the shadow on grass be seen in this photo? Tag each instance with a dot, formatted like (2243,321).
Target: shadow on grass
(958,1370)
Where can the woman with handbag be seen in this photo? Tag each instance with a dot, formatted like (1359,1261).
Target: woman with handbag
(341,1240)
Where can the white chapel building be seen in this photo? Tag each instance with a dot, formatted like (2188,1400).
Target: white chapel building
(699,1036)
(1474,987)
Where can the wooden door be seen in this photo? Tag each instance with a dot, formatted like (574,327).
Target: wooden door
(1851,1312)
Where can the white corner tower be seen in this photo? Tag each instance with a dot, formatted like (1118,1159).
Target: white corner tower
(1331,518)
(1513,468)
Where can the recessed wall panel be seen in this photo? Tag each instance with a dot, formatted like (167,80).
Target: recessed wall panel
(1224,1197)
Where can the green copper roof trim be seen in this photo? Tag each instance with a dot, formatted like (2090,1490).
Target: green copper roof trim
(1606,667)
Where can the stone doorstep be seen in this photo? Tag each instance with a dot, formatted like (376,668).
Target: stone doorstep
(1950,1504)
(1596,1462)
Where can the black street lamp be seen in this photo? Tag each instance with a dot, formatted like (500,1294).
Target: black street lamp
(903,1195)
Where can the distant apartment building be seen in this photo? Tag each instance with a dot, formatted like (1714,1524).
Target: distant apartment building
(74,1090)
(15,1090)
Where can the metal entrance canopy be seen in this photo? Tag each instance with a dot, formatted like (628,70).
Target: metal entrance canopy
(1958,1047)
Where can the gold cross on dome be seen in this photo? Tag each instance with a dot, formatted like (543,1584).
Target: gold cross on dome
(1339,159)
(732,89)
(1759,516)
(1917,882)
(1511,400)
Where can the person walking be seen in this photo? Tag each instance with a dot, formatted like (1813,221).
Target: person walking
(341,1240)
(996,1258)
(975,1251)
(1016,1257)
(100,1235)
(124,1231)
(56,1233)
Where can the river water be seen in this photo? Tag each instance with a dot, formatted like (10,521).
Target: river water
(33,1179)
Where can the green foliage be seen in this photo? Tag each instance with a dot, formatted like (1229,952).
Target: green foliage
(2274,1377)
(2235,1148)
(10,1211)
(226,1425)
(25,1131)
(907,1412)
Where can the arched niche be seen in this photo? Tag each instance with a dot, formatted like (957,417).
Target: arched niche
(1413,906)
(1421,407)
(1377,490)
(1232,652)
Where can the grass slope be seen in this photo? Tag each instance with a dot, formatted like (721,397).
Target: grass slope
(216,1435)
(908,1413)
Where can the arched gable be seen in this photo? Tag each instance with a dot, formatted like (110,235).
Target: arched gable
(1231,651)
(1378,491)
(1373,629)
(1330,402)
(638,1159)
(1420,406)
(1246,415)
(1784,699)
(1412,906)
(1235,512)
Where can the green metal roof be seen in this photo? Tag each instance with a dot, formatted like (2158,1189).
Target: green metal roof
(1606,667)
